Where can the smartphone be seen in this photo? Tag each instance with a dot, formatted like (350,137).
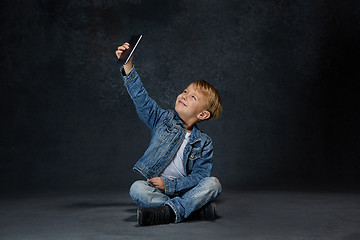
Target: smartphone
(126,55)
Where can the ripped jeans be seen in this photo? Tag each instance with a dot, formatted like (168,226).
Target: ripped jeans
(146,195)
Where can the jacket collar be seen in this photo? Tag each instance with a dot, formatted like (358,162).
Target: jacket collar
(195,133)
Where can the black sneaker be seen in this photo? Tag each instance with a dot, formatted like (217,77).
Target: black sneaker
(207,212)
(155,215)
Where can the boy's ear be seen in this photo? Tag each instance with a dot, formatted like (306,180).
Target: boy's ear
(204,115)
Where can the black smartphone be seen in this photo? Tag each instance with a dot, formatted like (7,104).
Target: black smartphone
(126,55)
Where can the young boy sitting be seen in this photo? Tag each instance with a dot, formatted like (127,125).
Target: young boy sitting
(178,161)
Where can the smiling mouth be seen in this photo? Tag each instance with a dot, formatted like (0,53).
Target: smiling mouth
(182,103)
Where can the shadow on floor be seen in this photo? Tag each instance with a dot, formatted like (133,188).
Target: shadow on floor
(83,205)
(131,218)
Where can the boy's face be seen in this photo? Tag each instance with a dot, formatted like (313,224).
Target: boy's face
(190,103)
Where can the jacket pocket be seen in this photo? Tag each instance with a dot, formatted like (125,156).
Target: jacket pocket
(194,155)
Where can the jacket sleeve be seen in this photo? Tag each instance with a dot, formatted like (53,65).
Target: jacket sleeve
(147,109)
(201,169)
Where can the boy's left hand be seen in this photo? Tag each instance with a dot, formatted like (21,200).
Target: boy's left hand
(158,182)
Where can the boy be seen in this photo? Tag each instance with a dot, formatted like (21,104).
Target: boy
(178,161)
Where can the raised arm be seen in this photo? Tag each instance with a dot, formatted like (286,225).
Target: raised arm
(148,110)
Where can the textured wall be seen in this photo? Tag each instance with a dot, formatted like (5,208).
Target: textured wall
(286,72)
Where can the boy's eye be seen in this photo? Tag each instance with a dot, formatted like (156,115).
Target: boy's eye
(194,97)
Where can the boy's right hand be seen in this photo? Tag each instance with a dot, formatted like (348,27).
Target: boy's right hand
(118,53)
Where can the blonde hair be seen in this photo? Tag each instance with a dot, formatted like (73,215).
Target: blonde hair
(212,97)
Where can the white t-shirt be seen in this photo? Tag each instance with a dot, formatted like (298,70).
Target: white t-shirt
(176,167)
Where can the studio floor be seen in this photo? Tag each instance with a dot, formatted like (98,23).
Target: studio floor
(270,215)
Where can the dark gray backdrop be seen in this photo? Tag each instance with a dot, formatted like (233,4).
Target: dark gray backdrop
(287,72)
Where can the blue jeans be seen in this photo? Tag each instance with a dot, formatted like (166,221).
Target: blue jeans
(146,195)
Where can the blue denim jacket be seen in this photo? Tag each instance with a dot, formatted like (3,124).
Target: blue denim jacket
(167,133)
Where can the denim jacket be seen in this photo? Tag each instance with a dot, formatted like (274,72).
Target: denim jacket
(167,134)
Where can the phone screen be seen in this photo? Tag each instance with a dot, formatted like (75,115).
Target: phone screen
(125,56)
